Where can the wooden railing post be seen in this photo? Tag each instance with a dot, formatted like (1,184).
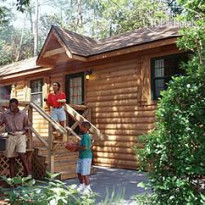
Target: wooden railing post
(50,149)
(30,136)
(89,115)
(78,117)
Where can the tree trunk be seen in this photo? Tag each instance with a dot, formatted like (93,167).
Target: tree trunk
(20,44)
(36,28)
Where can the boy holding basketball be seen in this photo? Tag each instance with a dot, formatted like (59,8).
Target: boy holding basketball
(85,158)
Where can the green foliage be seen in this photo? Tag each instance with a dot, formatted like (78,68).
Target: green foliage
(99,19)
(174,152)
(4,11)
(175,8)
(113,197)
(123,15)
(25,181)
(22,4)
(145,199)
(105,18)
(4,15)
(53,192)
(13,45)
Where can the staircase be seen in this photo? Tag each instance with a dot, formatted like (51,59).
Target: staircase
(64,161)
(49,154)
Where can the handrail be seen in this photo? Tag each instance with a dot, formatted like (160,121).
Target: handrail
(39,137)
(80,118)
(77,123)
(72,132)
(50,144)
(78,107)
(56,125)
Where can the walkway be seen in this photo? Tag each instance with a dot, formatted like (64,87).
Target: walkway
(115,180)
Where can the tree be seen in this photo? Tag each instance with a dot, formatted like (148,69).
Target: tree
(175,151)
(15,44)
(20,5)
(106,18)
(114,17)
(98,19)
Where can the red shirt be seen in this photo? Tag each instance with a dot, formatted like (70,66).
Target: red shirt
(53,98)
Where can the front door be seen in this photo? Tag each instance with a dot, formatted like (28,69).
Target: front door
(75,93)
(75,88)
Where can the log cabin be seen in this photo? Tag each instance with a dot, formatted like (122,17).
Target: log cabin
(114,83)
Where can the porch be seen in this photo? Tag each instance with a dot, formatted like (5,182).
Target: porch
(44,152)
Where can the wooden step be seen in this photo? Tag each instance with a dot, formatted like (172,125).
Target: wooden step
(67,175)
(57,152)
(63,157)
(44,151)
(65,165)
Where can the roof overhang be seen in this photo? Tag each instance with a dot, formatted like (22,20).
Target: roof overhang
(54,51)
(24,73)
(136,48)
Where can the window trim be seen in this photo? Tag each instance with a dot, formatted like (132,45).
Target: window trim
(70,76)
(152,70)
(7,85)
(36,93)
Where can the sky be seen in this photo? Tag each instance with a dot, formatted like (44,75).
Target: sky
(21,20)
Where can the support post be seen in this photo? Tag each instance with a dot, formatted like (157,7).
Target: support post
(30,119)
(51,153)
(89,114)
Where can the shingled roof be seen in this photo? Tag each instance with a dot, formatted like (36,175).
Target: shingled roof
(20,66)
(86,46)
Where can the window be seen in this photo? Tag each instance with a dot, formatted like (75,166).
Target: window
(5,92)
(162,69)
(74,88)
(37,92)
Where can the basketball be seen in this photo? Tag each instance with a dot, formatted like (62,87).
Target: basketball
(73,147)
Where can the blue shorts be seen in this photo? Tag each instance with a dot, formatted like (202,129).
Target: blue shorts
(58,114)
(84,166)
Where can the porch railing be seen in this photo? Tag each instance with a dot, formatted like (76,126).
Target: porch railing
(50,143)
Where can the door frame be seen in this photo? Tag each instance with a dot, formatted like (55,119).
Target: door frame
(67,84)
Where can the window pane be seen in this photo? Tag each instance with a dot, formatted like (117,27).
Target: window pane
(37,99)
(5,92)
(76,90)
(36,86)
(37,92)
(163,69)
(159,68)
(159,86)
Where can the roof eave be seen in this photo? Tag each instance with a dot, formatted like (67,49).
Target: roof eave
(134,48)
(24,73)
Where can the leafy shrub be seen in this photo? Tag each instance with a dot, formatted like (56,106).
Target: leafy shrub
(52,192)
(174,152)
(144,199)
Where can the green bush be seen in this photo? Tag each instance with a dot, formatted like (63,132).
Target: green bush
(174,152)
(52,192)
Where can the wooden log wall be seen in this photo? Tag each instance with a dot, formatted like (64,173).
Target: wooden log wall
(120,110)
(22,93)
(119,94)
